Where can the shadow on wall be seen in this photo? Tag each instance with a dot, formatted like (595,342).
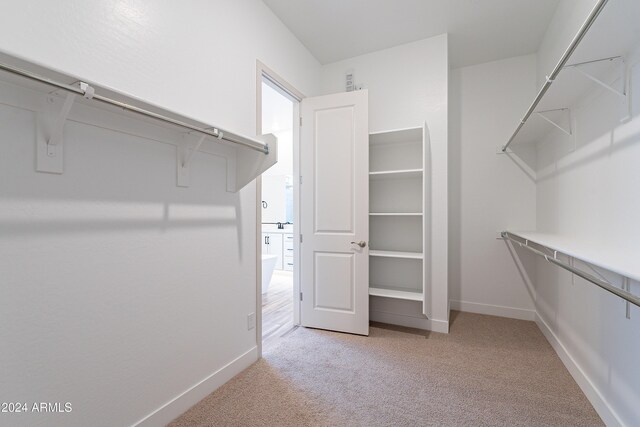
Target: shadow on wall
(112,182)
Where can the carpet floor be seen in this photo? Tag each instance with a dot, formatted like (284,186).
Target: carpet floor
(488,371)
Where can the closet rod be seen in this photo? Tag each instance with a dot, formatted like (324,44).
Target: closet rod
(559,66)
(213,131)
(633,299)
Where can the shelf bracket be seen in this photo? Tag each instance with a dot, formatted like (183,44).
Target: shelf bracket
(49,143)
(184,156)
(569,131)
(625,76)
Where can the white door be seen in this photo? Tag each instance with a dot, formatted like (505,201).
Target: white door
(334,217)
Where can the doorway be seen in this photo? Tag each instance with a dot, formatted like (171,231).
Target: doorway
(278,191)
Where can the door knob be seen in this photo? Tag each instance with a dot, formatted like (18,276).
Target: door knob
(361,243)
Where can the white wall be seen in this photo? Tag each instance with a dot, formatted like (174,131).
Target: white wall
(569,16)
(407,85)
(121,291)
(489,192)
(590,194)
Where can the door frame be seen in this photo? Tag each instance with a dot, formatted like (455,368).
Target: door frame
(262,71)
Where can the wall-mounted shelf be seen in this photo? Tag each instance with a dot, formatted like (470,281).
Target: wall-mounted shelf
(57,97)
(622,261)
(562,251)
(396,254)
(595,59)
(397,174)
(394,293)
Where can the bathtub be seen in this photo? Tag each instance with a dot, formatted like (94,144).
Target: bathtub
(268,265)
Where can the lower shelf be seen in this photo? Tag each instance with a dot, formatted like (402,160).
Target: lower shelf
(392,293)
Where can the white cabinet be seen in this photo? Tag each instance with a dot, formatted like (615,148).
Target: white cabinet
(397,220)
(280,244)
(287,252)
(272,245)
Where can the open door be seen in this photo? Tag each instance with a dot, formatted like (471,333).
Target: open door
(334,212)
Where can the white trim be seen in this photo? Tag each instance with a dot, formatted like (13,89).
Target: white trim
(262,71)
(493,310)
(599,403)
(185,400)
(434,325)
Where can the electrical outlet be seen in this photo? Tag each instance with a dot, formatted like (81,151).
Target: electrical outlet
(251,321)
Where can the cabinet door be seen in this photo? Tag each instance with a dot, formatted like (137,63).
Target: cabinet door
(275,248)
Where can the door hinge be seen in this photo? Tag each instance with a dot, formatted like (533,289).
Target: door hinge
(300,296)
(301,238)
(301,179)
(300,120)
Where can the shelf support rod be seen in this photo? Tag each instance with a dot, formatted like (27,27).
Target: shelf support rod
(559,66)
(55,138)
(568,132)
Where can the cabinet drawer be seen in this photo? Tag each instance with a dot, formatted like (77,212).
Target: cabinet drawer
(288,238)
(288,263)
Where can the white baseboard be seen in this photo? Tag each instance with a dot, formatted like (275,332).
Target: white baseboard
(596,398)
(493,310)
(441,326)
(179,404)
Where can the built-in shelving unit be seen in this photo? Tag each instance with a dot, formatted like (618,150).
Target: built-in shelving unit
(596,59)
(396,220)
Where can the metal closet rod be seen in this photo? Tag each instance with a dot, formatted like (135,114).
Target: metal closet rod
(559,66)
(633,299)
(213,131)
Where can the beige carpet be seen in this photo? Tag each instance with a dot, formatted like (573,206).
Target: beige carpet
(488,371)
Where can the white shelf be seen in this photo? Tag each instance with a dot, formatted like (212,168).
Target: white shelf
(45,91)
(397,136)
(393,293)
(396,254)
(397,174)
(395,214)
(613,34)
(620,260)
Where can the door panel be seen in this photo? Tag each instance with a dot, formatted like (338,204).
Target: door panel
(334,153)
(335,212)
(334,286)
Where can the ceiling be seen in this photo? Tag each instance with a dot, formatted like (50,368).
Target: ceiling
(479,30)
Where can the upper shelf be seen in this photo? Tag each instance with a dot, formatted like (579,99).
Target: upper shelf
(396,136)
(594,59)
(247,157)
